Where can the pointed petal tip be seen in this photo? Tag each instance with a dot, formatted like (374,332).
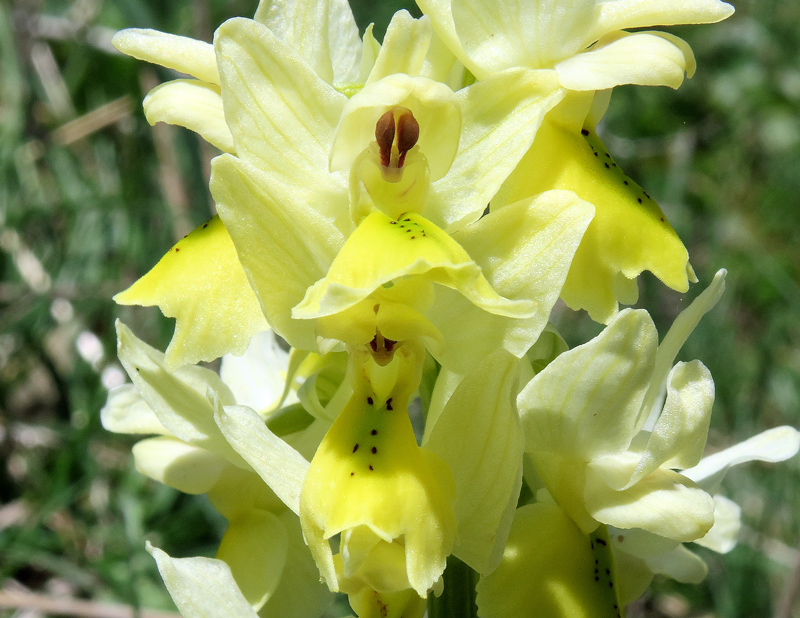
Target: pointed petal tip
(123,39)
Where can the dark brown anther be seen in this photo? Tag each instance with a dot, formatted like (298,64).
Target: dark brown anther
(382,349)
(384,135)
(407,135)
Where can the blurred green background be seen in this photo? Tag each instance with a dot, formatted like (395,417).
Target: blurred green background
(91,196)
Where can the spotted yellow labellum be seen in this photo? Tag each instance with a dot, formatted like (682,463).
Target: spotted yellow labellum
(629,232)
(369,481)
(383,249)
(201,283)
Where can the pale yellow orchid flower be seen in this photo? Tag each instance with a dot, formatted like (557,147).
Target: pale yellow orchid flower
(262,551)
(551,567)
(204,265)
(283,117)
(290,216)
(388,501)
(584,43)
(585,418)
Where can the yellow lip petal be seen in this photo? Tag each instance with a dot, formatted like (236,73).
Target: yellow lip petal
(201,283)
(629,233)
(382,250)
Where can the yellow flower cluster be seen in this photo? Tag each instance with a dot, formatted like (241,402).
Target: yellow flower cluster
(403,216)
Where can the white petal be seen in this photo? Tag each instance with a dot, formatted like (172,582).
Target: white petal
(302,25)
(126,412)
(644,58)
(777,444)
(486,459)
(625,14)
(175,463)
(540,236)
(724,533)
(343,42)
(404,47)
(277,463)
(183,54)
(441,64)
(258,376)
(370,49)
(664,503)
(501,117)
(298,25)
(680,564)
(281,114)
(677,335)
(284,245)
(202,587)
(640,543)
(585,402)
(441,16)
(182,399)
(192,104)
(536,33)
(679,437)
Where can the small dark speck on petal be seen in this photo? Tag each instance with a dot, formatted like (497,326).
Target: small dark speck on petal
(584,132)
(607,165)
(374,450)
(638,199)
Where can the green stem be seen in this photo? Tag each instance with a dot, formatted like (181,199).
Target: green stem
(458,598)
